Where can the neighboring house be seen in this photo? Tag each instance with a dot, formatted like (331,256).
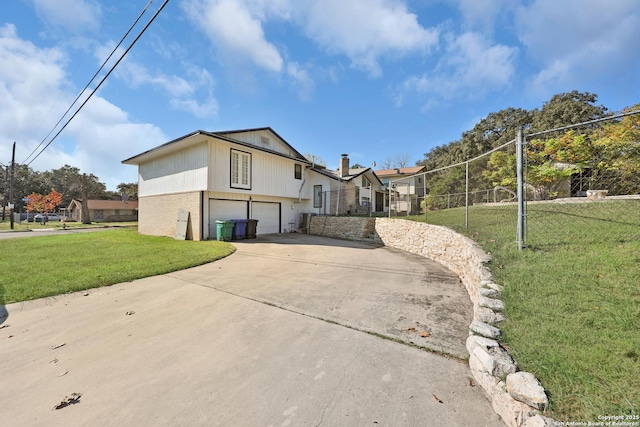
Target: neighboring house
(355,191)
(405,187)
(104,210)
(240,174)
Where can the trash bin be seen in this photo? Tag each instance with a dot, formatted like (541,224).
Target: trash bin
(240,228)
(224,230)
(252,225)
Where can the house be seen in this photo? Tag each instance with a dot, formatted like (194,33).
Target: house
(104,210)
(406,187)
(359,190)
(237,174)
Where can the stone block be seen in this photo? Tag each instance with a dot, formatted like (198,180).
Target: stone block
(511,410)
(538,420)
(474,341)
(489,293)
(486,315)
(484,379)
(484,330)
(487,361)
(504,363)
(524,387)
(492,303)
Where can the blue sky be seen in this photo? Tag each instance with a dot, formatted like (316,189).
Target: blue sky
(375,79)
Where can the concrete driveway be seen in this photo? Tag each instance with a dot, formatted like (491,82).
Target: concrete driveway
(289,330)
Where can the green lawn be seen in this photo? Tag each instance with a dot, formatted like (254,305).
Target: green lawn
(572,299)
(52,265)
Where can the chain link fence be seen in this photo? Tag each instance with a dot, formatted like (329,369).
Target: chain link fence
(579,184)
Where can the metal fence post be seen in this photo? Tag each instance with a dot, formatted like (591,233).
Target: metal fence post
(466,196)
(520,181)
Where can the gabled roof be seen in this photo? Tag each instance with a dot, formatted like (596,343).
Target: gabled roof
(353,174)
(104,204)
(400,171)
(191,139)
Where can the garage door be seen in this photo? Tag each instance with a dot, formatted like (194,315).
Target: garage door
(224,210)
(268,216)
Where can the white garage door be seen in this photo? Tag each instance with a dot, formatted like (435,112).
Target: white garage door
(268,216)
(225,210)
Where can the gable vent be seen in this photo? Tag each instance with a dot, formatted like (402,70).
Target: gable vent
(264,140)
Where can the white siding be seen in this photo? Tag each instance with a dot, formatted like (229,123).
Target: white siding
(263,139)
(271,175)
(178,172)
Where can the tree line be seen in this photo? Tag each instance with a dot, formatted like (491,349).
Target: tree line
(593,151)
(68,181)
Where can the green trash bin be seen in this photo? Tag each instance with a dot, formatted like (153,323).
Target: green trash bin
(224,230)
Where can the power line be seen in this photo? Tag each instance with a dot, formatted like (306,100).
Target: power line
(91,80)
(100,83)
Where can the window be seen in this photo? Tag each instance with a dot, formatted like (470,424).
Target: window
(240,169)
(298,172)
(317,196)
(365,182)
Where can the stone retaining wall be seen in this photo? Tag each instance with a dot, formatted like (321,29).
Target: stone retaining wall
(516,396)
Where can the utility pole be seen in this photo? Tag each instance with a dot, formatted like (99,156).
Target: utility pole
(13,164)
(4,190)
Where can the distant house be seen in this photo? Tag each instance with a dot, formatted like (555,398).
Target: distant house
(405,187)
(355,191)
(105,210)
(225,175)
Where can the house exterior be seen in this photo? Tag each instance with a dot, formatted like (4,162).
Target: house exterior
(355,191)
(406,189)
(239,174)
(104,210)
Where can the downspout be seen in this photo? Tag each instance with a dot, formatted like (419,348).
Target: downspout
(338,201)
(304,179)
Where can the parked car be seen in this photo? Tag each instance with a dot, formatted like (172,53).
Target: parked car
(50,217)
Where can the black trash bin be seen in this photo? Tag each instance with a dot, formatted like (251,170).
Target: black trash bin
(252,226)
(240,228)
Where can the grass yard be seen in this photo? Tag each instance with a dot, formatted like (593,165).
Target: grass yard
(572,299)
(52,265)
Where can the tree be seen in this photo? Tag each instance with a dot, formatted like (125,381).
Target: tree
(130,189)
(316,160)
(47,203)
(396,162)
(566,109)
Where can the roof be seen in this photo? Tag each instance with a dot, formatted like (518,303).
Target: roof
(188,139)
(353,173)
(106,204)
(400,171)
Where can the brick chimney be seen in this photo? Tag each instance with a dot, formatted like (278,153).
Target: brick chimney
(344,166)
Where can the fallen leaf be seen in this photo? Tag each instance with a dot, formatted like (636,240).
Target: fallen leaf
(472,383)
(75,398)
(437,399)
(53,347)
(129,313)
(63,373)
(4,326)
(54,360)
(424,334)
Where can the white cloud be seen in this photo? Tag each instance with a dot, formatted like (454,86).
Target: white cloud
(362,30)
(303,81)
(34,93)
(471,66)
(577,40)
(183,91)
(72,15)
(482,14)
(366,30)
(234,30)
